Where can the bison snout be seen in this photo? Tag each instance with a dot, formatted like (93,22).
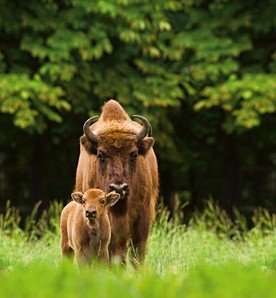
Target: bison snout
(90,214)
(119,188)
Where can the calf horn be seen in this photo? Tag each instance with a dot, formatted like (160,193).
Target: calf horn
(147,129)
(86,129)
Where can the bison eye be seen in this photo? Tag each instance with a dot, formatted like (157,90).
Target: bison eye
(102,201)
(133,156)
(102,157)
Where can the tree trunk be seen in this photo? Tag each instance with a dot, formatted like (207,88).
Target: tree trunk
(232,186)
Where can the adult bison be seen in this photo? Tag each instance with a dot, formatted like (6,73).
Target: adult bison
(116,155)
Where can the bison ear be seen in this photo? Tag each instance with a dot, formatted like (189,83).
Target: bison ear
(112,198)
(78,197)
(89,146)
(144,145)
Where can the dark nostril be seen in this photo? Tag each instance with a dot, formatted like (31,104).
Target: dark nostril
(90,213)
(112,187)
(124,187)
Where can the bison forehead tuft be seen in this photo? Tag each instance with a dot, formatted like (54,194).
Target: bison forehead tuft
(113,127)
(117,145)
(117,135)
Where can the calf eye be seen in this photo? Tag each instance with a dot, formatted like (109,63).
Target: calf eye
(102,202)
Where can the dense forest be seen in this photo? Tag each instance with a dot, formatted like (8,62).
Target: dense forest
(202,72)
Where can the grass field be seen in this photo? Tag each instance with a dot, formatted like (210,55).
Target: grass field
(209,257)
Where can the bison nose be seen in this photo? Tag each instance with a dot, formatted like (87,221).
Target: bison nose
(90,214)
(119,188)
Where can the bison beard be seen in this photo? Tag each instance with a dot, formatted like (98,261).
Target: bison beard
(116,155)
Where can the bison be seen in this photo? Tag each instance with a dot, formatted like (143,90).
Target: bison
(85,226)
(116,154)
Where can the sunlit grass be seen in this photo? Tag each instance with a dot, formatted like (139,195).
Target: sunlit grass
(209,257)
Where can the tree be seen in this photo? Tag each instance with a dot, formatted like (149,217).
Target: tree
(230,73)
(203,72)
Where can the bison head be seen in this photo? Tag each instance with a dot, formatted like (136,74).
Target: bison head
(118,144)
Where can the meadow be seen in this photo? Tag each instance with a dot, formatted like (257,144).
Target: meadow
(211,256)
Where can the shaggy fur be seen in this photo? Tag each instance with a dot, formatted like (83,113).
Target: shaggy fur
(85,226)
(117,158)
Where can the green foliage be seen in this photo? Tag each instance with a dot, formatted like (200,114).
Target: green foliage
(215,219)
(244,99)
(46,225)
(263,222)
(30,99)
(10,220)
(156,53)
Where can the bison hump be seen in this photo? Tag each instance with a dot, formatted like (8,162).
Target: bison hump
(113,111)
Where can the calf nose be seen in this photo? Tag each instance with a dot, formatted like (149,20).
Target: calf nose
(119,188)
(90,214)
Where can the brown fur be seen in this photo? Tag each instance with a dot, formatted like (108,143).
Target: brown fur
(119,158)
(87,238)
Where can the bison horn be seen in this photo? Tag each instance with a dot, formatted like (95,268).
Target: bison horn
(147,129)
(86,129)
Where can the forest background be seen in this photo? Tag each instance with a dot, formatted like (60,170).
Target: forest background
(202,72)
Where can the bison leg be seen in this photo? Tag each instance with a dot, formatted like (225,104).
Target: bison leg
(83,258)
(138,251)
(138,241)
(104,255)
(118,252)
(66,250)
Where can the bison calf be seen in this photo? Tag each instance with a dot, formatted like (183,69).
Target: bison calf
(85,227)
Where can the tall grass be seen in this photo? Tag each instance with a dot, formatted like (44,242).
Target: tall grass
(211,256)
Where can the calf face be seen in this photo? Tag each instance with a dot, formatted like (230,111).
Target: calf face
(95,202)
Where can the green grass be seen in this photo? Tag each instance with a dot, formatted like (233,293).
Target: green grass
(210,257)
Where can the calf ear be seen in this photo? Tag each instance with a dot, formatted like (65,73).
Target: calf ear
(112,198)
(144,145)
(89,146)
(78,197)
